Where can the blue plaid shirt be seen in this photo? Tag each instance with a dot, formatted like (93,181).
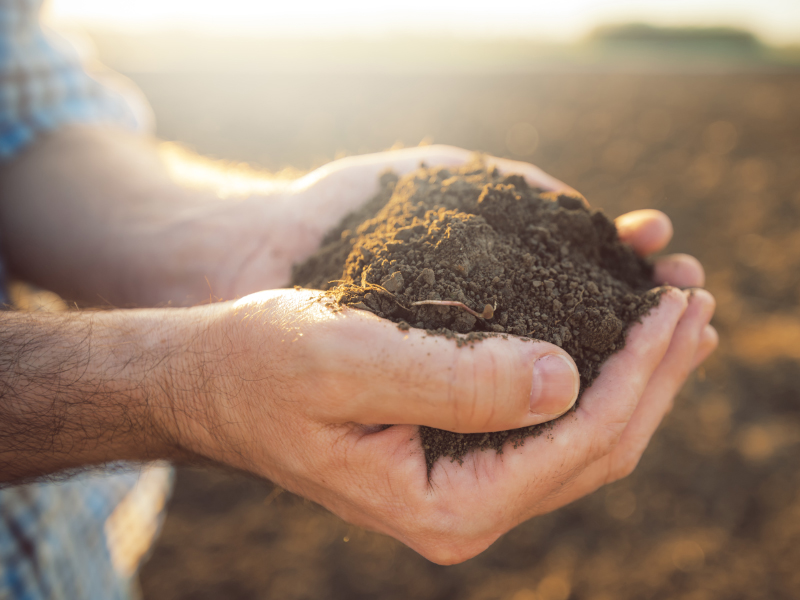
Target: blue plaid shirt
(84,537)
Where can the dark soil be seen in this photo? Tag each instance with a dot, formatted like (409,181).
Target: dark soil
(533,263)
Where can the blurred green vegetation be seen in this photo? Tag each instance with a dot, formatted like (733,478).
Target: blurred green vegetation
(700,36)
(723,44)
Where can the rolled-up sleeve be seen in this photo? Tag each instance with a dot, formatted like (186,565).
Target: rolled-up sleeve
(44,84)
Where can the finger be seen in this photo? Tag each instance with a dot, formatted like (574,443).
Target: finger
(390,376)
(607,406)
(665,383)
(648,231)
(579,439)
(360,368)
(709,340)
(680,270)
(656,401)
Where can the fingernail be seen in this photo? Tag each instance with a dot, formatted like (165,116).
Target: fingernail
(556,383)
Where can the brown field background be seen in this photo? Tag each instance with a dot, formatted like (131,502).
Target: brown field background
(713,510)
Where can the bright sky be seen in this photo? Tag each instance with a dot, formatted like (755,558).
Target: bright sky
(775,20)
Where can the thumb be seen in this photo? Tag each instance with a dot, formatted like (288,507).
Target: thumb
(374,373)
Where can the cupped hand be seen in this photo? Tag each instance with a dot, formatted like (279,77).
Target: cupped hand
(292,391)
(299,390)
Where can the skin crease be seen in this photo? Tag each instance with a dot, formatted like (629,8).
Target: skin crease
(285,379)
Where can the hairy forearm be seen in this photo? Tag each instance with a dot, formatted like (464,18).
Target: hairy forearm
(80,389)
(93,214)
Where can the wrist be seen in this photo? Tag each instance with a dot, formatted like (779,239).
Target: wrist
(180,377)
(196,382)
(226,372)
(150,370)
(130,353)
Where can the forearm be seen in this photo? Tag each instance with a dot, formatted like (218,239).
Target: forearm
(93,214)
(81,389)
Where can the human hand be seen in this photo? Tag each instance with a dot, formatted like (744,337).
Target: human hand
(378,478)
(290,386)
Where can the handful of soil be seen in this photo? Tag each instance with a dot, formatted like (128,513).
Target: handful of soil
(527,262)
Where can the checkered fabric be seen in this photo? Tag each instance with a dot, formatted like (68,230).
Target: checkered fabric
(43,83)
(83,537)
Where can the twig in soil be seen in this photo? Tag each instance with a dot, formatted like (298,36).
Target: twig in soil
(488,311)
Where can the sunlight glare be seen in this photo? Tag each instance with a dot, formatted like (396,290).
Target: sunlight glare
(567,20)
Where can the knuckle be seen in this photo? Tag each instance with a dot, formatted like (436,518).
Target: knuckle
(622,465)
(480,391)
(603,445)
(625,469)
(612,433)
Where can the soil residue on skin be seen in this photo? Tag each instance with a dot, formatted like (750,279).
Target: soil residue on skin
(548,268)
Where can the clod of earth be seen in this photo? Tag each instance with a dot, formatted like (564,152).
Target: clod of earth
(438,241)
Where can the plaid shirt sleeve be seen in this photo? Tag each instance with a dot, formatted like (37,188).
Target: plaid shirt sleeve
(82,538)
(44,85)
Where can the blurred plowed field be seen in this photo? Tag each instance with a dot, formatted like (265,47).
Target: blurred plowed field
(713,510)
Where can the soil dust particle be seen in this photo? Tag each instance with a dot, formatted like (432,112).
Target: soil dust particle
(548,267)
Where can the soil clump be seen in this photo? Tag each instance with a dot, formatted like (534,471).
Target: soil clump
(524,262)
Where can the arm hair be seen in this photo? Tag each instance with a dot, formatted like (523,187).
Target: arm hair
(81,389)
